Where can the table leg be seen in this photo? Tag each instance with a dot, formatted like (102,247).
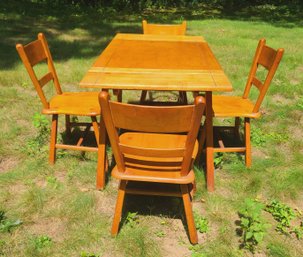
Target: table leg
(210,179)
(102,157)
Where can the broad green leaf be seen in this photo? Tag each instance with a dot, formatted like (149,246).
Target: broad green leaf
(248,235)
(259,236)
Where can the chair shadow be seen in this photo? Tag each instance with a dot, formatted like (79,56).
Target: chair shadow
(160,206)
(239,231)
(89,141)
(72,139)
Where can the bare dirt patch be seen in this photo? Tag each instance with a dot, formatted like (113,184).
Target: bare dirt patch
(60,175)
(259,154)
(295,131)
(53,227)
(296,115)
(280,99)
(105,203)
(172,237)
(17,188)
(7,163)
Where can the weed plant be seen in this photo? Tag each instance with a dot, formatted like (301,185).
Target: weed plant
(37,144)
(201,223)
(42,241)
(7,225)
(282,213)
(298,231)
(252,224)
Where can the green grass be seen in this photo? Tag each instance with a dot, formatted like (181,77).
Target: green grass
(61,212)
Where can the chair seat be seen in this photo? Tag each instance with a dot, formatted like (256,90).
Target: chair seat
(154,169)
(233,106)
(74,103)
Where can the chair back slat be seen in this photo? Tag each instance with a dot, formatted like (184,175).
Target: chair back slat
(151,118)
(152,152)
(46,78)
(152,165)
(269,58)
(34,53)
(155,124)
(164,29)
(257,83)
(160,165)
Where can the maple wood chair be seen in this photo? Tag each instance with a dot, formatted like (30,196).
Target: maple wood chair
(241,107)
(154,158)
(164,29)
(77,104)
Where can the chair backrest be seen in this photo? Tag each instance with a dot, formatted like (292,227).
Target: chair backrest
(34,53)
(269,58)
(164,29)
(153,119)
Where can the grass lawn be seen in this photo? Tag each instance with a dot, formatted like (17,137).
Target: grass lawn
(56,211)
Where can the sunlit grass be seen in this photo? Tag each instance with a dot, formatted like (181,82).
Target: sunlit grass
(61,202)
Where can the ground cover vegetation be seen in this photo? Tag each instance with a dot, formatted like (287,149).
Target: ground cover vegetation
(56,211)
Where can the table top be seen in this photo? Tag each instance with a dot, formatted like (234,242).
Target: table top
(157,62)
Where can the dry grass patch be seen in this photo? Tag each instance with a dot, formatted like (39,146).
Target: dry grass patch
(8,163)
(54,227)
(280,99)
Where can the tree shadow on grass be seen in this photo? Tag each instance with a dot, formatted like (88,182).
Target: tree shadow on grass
(279,14)
(69,35)
(74,32)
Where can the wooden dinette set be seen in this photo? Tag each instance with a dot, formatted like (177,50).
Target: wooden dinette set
(154,144)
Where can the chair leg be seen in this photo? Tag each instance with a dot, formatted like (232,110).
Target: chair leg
(102,157)
(119,206)
(193,190)
(96,128)
(237,125)
(68,126)
(119,96)
(53,139)
(201,141)
(143,96)
(150,96)
(195,94)
(118,93)
(210,168)
(193,236)
(182,97)
(247,142)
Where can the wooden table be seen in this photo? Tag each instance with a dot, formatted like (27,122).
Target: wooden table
(160,62)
